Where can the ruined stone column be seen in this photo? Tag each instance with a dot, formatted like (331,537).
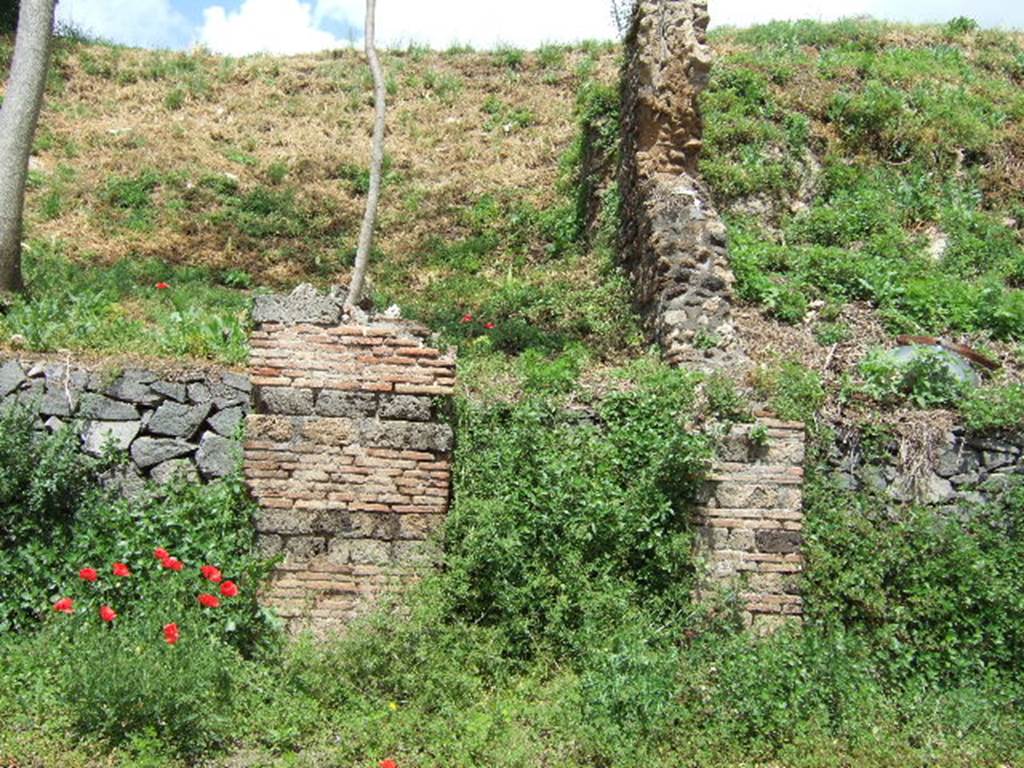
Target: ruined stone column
(673,242)
(674,246)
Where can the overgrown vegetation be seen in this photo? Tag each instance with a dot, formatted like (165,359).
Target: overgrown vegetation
(880,161)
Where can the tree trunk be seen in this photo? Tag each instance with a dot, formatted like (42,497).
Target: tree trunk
(355,289)
(18,117)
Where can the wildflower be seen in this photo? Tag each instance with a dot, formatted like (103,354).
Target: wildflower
(393,706)
(388,764)
(467,318)
(120,569)
(107,613)
(171,633)
(173,564)
(229,589)
(489,326)
(64,605)
(161,286)
(160,553)
(211,573)
(208,601)
(88,574)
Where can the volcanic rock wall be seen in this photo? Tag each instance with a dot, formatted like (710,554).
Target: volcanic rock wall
(179,421)
(347,452)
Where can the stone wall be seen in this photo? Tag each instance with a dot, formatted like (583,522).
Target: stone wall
(169,421)
(672,240)
(751,519)
(347,452)
(951,468)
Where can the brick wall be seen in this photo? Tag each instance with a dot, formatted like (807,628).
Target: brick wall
(345,452)
(751,519)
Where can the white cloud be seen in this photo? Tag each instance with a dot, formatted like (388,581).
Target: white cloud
(481,23)
(742,13)
(146,23)
(271,26)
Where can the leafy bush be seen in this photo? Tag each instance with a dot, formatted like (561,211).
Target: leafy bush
(927,380)
(55,519)
(987,409)
(559,526)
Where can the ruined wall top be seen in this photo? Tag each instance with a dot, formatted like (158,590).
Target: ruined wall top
(668,66)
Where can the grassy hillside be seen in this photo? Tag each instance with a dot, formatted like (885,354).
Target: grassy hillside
(870,178)
(218,176)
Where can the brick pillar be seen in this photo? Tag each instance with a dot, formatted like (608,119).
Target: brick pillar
(751,519)
(345,453)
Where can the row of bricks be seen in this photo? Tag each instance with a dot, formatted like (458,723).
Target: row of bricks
(390,329)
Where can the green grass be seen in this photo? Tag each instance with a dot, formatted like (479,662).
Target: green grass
(908,136)
(118,308)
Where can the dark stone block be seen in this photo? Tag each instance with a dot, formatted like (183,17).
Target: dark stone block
(778,542)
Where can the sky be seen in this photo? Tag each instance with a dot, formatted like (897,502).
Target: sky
(239,27)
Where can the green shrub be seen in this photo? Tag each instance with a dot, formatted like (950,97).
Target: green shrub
(558,526)
(988,409)
(792,391)
(927,380)
(56,519)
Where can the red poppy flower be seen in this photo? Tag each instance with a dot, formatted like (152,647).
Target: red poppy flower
(212,573)
(65,605)
(489,326)
(467,318)
(229,589)
(107,613)
(173,564)
(162,286)
(160,553)
(388,764)
(171,633)
(88,574)
(208,601)
(120,569)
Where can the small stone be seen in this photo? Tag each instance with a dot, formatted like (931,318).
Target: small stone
(103,408)
(53,424)
(125,481)
(56,404)
(936,490)
(226,422)
(149,451)
(134,387)
(174,469)
(199,393)
(406,408)
(11,377)
(217,456)
(333,402)
(237,381)
(285,400)
(171,389)
(118,434)
(177,420)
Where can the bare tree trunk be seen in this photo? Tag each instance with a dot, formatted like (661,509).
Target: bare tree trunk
(18,117)
(355,289)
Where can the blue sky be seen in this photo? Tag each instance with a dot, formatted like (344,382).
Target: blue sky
(239,27)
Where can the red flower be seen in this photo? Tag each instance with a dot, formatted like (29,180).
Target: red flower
(173,564)
(171,633)
(107,613)
(208,601)
(388,764)
(120,569)
(162,286)
(88,574)
(489,326)
(65,605)
(212,573)
(467,318)
(160,553)
(229,589)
